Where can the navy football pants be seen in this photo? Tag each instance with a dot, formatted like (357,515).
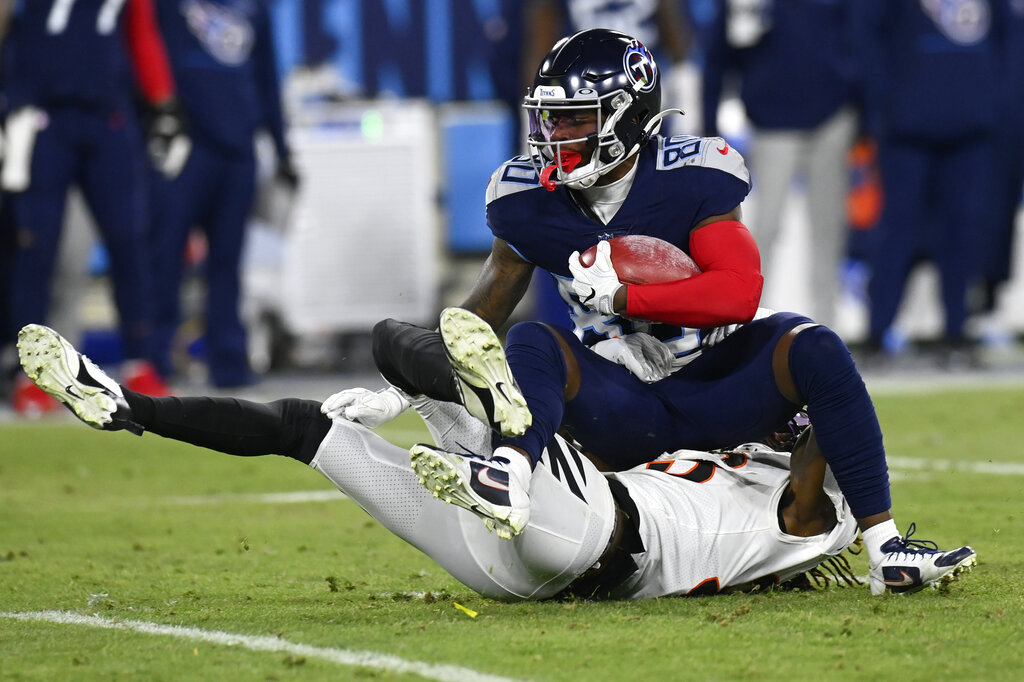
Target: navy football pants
(214,191)
(725,397)
(101,153)
(935,208)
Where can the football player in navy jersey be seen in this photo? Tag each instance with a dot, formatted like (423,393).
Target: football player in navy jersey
(705,373)
(222,57)
(68,74)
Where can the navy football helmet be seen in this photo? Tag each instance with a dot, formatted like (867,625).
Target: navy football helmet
(597,70)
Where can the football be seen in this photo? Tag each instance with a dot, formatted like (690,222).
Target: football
(639,259)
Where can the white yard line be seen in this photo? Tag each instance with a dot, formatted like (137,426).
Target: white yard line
(294,497)
(950,465)
(263,643)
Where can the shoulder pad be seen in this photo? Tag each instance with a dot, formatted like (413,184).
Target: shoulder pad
(707,152)
(515,175)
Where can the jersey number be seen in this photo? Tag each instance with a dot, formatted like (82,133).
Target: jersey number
(106,20)
(702,470)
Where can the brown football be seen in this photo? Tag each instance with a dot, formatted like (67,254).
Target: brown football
(639,259)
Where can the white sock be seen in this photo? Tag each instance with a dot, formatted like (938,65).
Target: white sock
(876,536)
(520,463)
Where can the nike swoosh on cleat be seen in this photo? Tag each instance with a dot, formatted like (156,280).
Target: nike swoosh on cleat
(906,581)
(484,476)
(723,150)
(500,386)
(69,389)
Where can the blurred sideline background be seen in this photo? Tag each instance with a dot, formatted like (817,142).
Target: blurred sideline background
(398,112)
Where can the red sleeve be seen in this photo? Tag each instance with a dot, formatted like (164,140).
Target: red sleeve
(148,52)
(726,292)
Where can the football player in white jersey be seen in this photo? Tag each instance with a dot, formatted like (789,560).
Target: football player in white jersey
(689,523)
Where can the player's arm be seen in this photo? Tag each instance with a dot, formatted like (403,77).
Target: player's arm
(6,12)
(148,53)
(502,283)
(168,139)
(726,292)
(805,507)
(265,63)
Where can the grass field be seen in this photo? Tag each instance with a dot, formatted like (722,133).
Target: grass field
(145,559)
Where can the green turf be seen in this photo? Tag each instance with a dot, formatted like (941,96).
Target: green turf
(96,523)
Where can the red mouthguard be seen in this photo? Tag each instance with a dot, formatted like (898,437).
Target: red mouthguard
(567,161)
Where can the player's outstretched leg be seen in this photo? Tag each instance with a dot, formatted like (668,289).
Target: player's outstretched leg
(495,489)
(911,565)
(489,391)
(70,377)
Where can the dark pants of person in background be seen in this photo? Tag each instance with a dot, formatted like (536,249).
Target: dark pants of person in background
(214,191)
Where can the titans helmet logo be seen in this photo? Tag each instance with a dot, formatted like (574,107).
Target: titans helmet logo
(639,66)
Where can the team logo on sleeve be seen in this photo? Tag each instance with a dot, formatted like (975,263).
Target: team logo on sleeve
(639,65)
(964,22)
(225,33)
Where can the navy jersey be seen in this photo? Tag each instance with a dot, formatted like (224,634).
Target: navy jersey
(67,52)
(932,69)
(679,182)
(222,56)
(796,76)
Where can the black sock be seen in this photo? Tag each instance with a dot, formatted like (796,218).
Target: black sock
(290,427)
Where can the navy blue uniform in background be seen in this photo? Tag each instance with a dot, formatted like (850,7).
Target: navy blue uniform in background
(782,86)
(223,61)
(932,83)
(997,251)
(67,67)
(795,63)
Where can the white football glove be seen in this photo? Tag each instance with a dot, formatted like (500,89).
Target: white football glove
(715,335)
(596,285)
(647,358)
(366,407)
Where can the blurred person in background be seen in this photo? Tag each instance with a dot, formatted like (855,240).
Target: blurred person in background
(795,73)
(932,80)
(222,56)
(71,120)
(997,248)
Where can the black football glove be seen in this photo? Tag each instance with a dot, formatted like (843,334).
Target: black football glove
(168,140)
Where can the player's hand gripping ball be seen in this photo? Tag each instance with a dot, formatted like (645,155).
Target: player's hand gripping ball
(639,259)
(597,283)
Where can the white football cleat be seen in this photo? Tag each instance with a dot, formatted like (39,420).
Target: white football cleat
(489,391)
(495,489)
(912,565)
(62,372)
